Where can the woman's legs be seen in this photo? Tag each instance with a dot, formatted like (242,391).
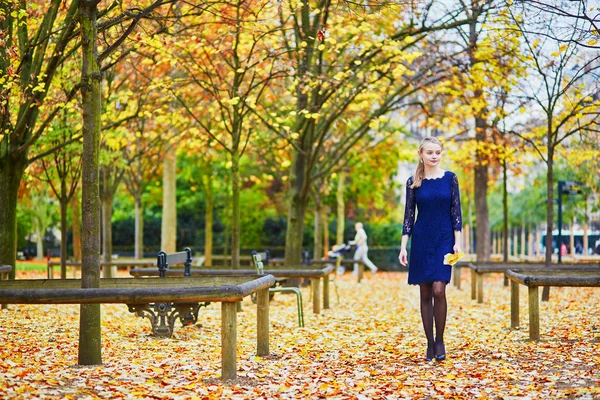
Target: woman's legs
(440,309)
(427,316)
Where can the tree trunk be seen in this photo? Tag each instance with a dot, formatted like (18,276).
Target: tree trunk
(235,210)
(500,242)
(325,223)
(482,247)
(226,241)
(572,236)
(40,232)
(530,239)
(523,245)
(508,243)
(504,209)
(169,213)
(139,229)
(295,230)
(76,214)
(295,222)
(64,203)
(90,349)
(549,215)
(208,230)
(482,232)
(585,235)
(341,212)
(11,171)
(317,253)
(107,272)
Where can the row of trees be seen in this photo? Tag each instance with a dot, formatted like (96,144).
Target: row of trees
(222,99)
(304,87)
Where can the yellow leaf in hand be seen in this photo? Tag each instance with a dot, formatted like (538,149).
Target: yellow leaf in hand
(451,259)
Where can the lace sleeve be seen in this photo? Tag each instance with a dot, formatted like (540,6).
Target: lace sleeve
(409,209)
(455,212)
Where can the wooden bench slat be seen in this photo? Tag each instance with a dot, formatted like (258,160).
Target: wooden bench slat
(152,272)
(279,271)
(150,293)
(503,267)
(479,269)
(107,283)
(533,279)
(556,277)
(106,264)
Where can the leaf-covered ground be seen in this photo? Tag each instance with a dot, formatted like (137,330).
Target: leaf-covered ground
(370,345)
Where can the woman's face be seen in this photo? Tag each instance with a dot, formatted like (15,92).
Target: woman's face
(431,154)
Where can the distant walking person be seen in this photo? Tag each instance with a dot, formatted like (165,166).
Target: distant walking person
(360,240)
(436,232)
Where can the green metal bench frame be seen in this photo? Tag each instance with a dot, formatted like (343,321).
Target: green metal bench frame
(257,260)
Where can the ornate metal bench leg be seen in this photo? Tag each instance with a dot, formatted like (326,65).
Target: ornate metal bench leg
(166,317)
(162,316)
(188,312)
(158,314)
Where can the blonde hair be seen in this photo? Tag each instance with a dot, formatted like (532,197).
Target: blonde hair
(420,172)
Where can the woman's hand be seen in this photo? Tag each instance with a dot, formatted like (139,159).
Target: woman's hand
(402,257)
(457,249)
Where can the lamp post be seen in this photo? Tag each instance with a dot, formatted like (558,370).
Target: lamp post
(565,187)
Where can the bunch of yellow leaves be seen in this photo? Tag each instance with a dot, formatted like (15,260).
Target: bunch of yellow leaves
(451,259)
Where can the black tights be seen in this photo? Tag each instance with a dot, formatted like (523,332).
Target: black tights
(434,307)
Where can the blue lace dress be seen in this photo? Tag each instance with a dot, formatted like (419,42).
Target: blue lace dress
(432,235)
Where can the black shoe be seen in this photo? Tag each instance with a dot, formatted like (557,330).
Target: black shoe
(441,355)
(430,353)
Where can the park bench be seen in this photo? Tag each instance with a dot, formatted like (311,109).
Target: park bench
(593,259)
(225,260)
(307,270)
(162,315)
(346,261)
(227,290)
(533,279)
(478,270)
(314,273)
(75,266)
(456,272)
(307,261)
(260,259)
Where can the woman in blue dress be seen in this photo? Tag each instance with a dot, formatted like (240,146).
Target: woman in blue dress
(434,193)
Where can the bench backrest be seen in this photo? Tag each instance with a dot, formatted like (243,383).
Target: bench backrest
(260,260)
(306,260)
(183,257)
